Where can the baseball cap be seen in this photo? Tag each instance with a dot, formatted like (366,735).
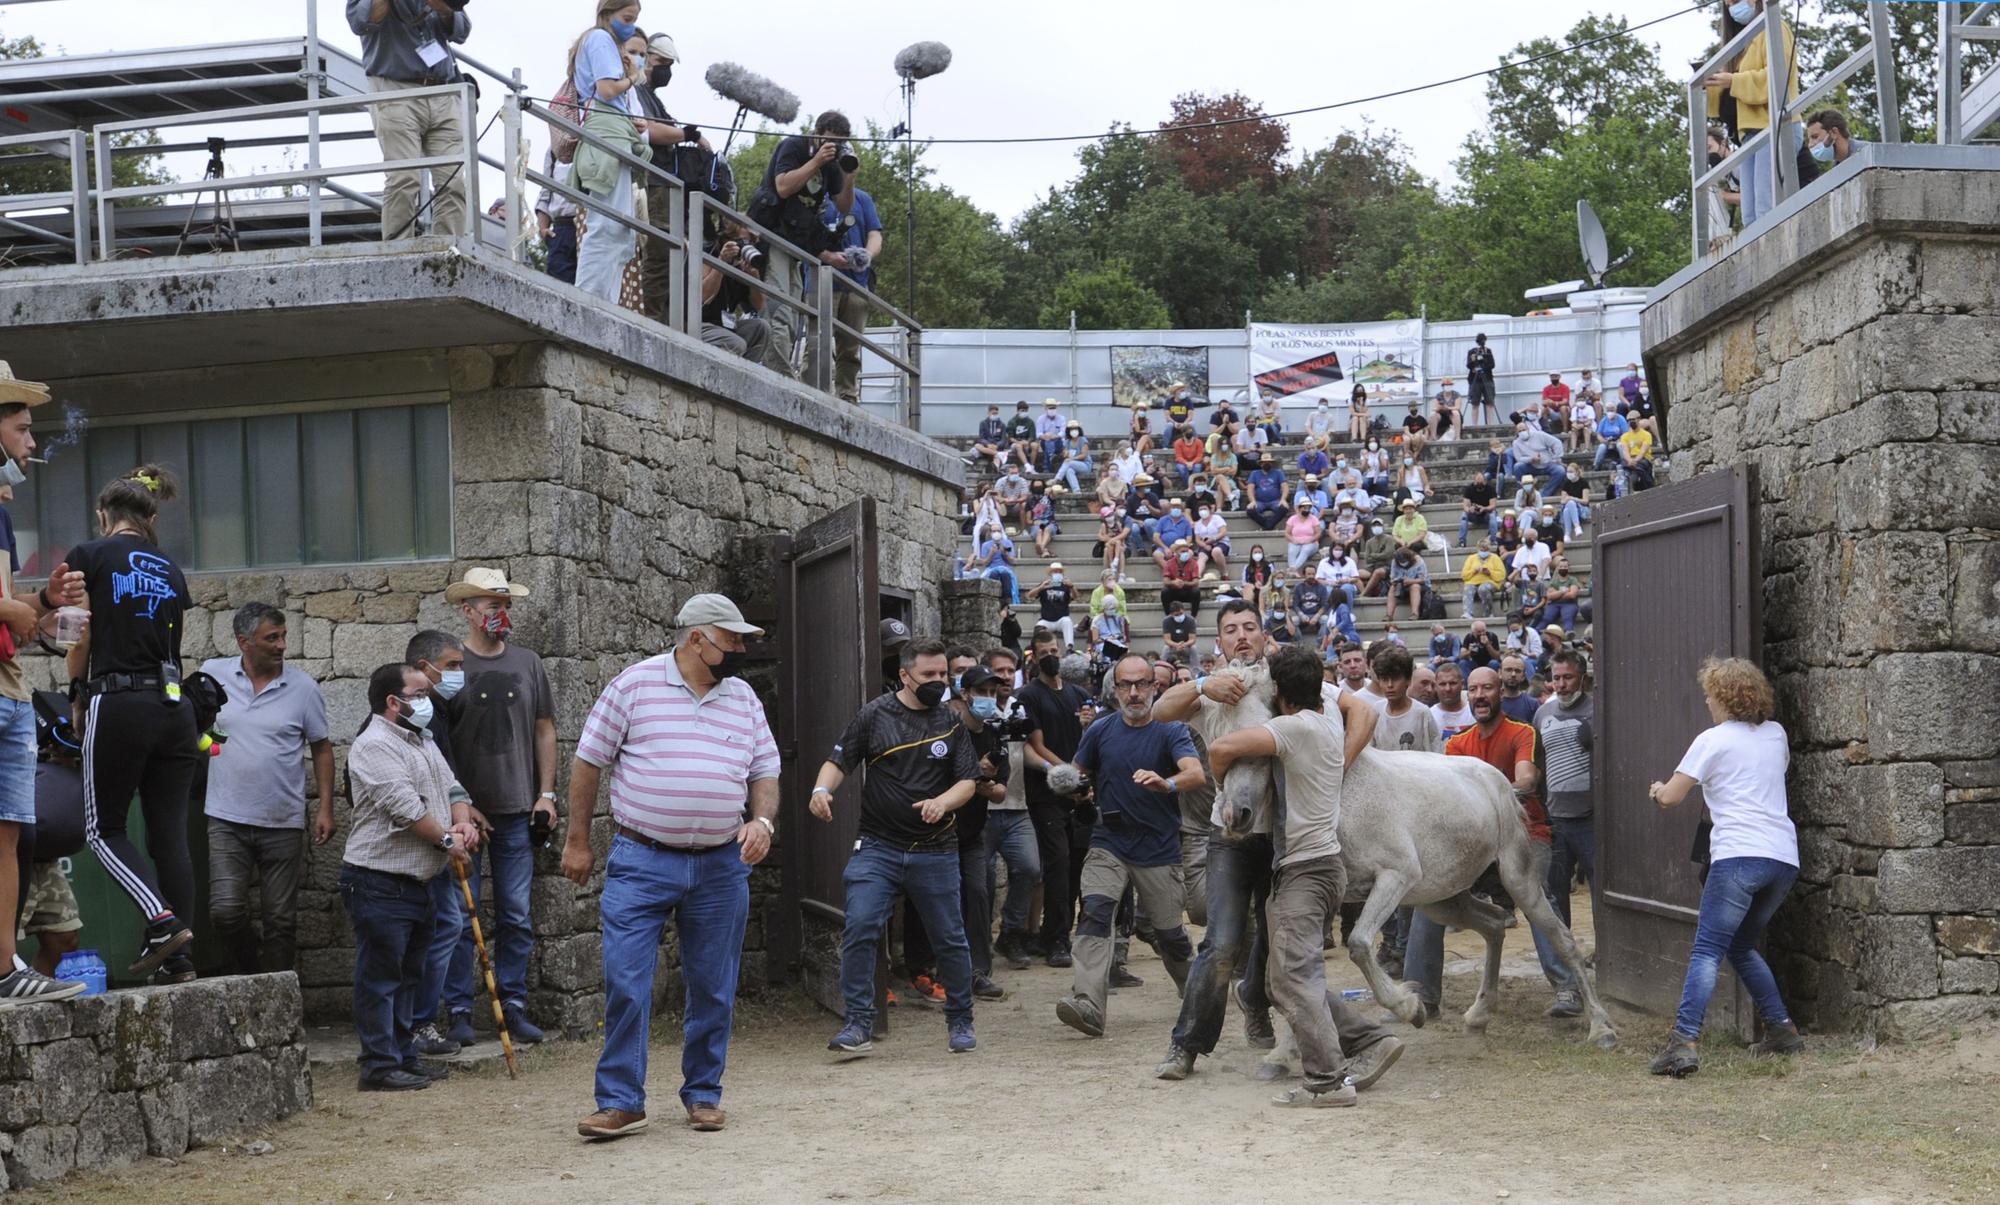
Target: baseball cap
(663,46)
(715,610)
(895,634)
(977,676)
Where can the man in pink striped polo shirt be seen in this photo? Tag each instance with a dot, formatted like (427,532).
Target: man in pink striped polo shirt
(694,802)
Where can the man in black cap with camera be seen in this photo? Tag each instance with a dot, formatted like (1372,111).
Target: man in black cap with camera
(732,311)
(806,171)
(403,47)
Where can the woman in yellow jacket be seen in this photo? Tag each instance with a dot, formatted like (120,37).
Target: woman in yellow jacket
(1748,84)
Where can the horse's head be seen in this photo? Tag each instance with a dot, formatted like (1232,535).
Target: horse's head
(1246,788)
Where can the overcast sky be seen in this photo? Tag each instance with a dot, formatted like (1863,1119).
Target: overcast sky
(1030,68)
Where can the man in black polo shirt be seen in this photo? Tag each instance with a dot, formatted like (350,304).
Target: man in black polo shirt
(1055,707)
(921,768)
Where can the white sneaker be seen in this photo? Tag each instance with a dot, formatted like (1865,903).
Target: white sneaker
(29,986)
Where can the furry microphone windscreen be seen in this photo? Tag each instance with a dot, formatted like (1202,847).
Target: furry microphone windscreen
(921,60)
(732,81)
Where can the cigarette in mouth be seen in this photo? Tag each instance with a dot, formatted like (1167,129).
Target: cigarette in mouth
(37,460)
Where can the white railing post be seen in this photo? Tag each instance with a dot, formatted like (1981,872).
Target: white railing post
(1948,98)
(1697,164)
(517,228)
(313,76)
(1784,167)
(100,147)
(475,214)
(1888,99)
(79,198)
(697,224)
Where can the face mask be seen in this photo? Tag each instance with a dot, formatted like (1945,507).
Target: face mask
(930,694)
(1056,579)
(419,714)
(1409,460)
(1570,700)
(497,625)
(1256,556)
(1205,512)
(1049,665)
(984,708)
(622,30)
(449,683)
(1741,11)
(1714,157)
(1377,529)
(11,474)
(661,75)
(731,664)
(1823,152)
(1371,445)
(1187,556)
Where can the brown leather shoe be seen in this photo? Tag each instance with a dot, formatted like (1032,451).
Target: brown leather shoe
(706,1118)
(611,1123)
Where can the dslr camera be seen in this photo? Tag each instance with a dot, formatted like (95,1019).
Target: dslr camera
(846,158)
(1015,726)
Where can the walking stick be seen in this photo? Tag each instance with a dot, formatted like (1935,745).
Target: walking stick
(486,966)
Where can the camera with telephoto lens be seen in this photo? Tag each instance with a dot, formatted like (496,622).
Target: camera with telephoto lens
(751,256)
(1018,726)
(847,160)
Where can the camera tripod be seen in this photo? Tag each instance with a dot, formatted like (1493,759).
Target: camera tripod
(220,229)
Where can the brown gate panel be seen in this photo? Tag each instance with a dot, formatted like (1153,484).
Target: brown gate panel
(1677,581)
(830,605)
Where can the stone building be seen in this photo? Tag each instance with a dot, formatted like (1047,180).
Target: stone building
(357,426)
(1849,352)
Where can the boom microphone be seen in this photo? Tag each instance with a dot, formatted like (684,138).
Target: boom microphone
(753,92)
(921,60)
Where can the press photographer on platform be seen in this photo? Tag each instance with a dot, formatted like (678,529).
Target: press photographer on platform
(806,171)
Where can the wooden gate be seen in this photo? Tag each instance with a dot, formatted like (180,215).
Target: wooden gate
(830,607)
(1677,580)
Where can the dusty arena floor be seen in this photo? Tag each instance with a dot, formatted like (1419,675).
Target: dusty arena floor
(1040,1113)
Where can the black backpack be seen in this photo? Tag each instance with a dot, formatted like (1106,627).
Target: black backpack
(1430,606)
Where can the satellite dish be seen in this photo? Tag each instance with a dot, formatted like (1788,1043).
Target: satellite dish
(1597,261)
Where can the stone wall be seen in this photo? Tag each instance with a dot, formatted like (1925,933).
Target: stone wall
(102,1081)
(613,492)
(1852,359)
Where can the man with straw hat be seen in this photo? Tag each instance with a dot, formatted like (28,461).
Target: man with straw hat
(19,617)
(503,732)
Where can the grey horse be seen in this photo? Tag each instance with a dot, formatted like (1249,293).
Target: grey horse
(1420,829)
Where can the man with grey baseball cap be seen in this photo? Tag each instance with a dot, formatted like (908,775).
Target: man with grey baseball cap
(694,805)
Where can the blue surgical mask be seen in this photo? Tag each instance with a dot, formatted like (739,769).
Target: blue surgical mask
(622,30)
(985,708)
(450,682)
(1741,11)
(1823,152)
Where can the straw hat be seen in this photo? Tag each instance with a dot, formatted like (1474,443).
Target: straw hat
(14,389)
(484,583)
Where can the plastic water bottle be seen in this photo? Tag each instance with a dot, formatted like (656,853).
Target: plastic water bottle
(1354,995)
(87,968)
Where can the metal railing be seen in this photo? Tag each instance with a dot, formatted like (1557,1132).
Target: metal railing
(1963,113)
(68,146)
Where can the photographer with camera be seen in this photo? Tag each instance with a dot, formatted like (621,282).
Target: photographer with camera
(805,172)
(861,242)
(403,47)
(725,299)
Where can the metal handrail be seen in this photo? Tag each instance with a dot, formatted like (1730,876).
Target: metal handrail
(78,197)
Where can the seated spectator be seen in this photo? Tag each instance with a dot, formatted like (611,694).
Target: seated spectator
(731,311)
(1564,595)
(1635,449)
(1346,526)
(1545,522)
(1199,495)
(1445,408)
(1522,641)
(1479,650)
(1075,457)
(1485,578)
(1343,571)
(1269,427)
(1270,493)
(1277,614)
(1628,385)
(1528,501)
(1320,422)
(995,559)
(1182,577)
(1478,507)
(1416,431)
(1110,637)
(1311,605)
(1413,483)
(1552,643)
(1530,595)
(1376,465)
(1359,500)
(1345,476)
(1444,645)
(1575,497)
(1021,433)
(1111,484)
(1534,453)
(1407,578)
(1313,461)
(1127,461)
(1827,141)
(1142,428)
(1041,518)
(1555,393)
(1178,633)
(986,517)
(1357,414)
(1143,511)
(1376,552)
(1222,473)
(1171,531)
(1582,422)
(1225,419)
(1302,535)
(1107,590)
(1257,573)
(1640,415)
(1049,434)
(1340,625)
(991,442)
(1211,541)
(1609,428)
(1532,554)
(1014,495)
(1412,530)
(1509,537)
(1311,490)
(1111,539)
(1054,593)
(1189,453)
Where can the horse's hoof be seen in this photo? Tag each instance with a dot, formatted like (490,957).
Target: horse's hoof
(1415,1017)
(1605,1041)
(1269,1072)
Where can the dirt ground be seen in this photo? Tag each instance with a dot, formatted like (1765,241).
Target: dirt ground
(1040,1113)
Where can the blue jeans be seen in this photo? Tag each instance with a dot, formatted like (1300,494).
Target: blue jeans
(1465,525)
(17,761)
(1562,613)
(1573,845)
(510,940)
(1067,474)
(1011,834)
(1574,514)
(392,933)
(449,912)
(1608,450)
(874,875)
(562,252)
(1139,534)
(1052,450)
(708,896)
(1004,574)
(1736,904)
(1239,882)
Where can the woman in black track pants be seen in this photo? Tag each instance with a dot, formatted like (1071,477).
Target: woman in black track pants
(139,731)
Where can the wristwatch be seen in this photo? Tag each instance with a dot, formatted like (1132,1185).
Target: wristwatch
(769,827)
(446,842)
(548,795)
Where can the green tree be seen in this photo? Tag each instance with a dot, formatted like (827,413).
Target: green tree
(1533,105)
(1361,205)
(1106,298)
(1831,30)
(40,175)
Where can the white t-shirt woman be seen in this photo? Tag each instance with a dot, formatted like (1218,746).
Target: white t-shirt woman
(1741,769)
